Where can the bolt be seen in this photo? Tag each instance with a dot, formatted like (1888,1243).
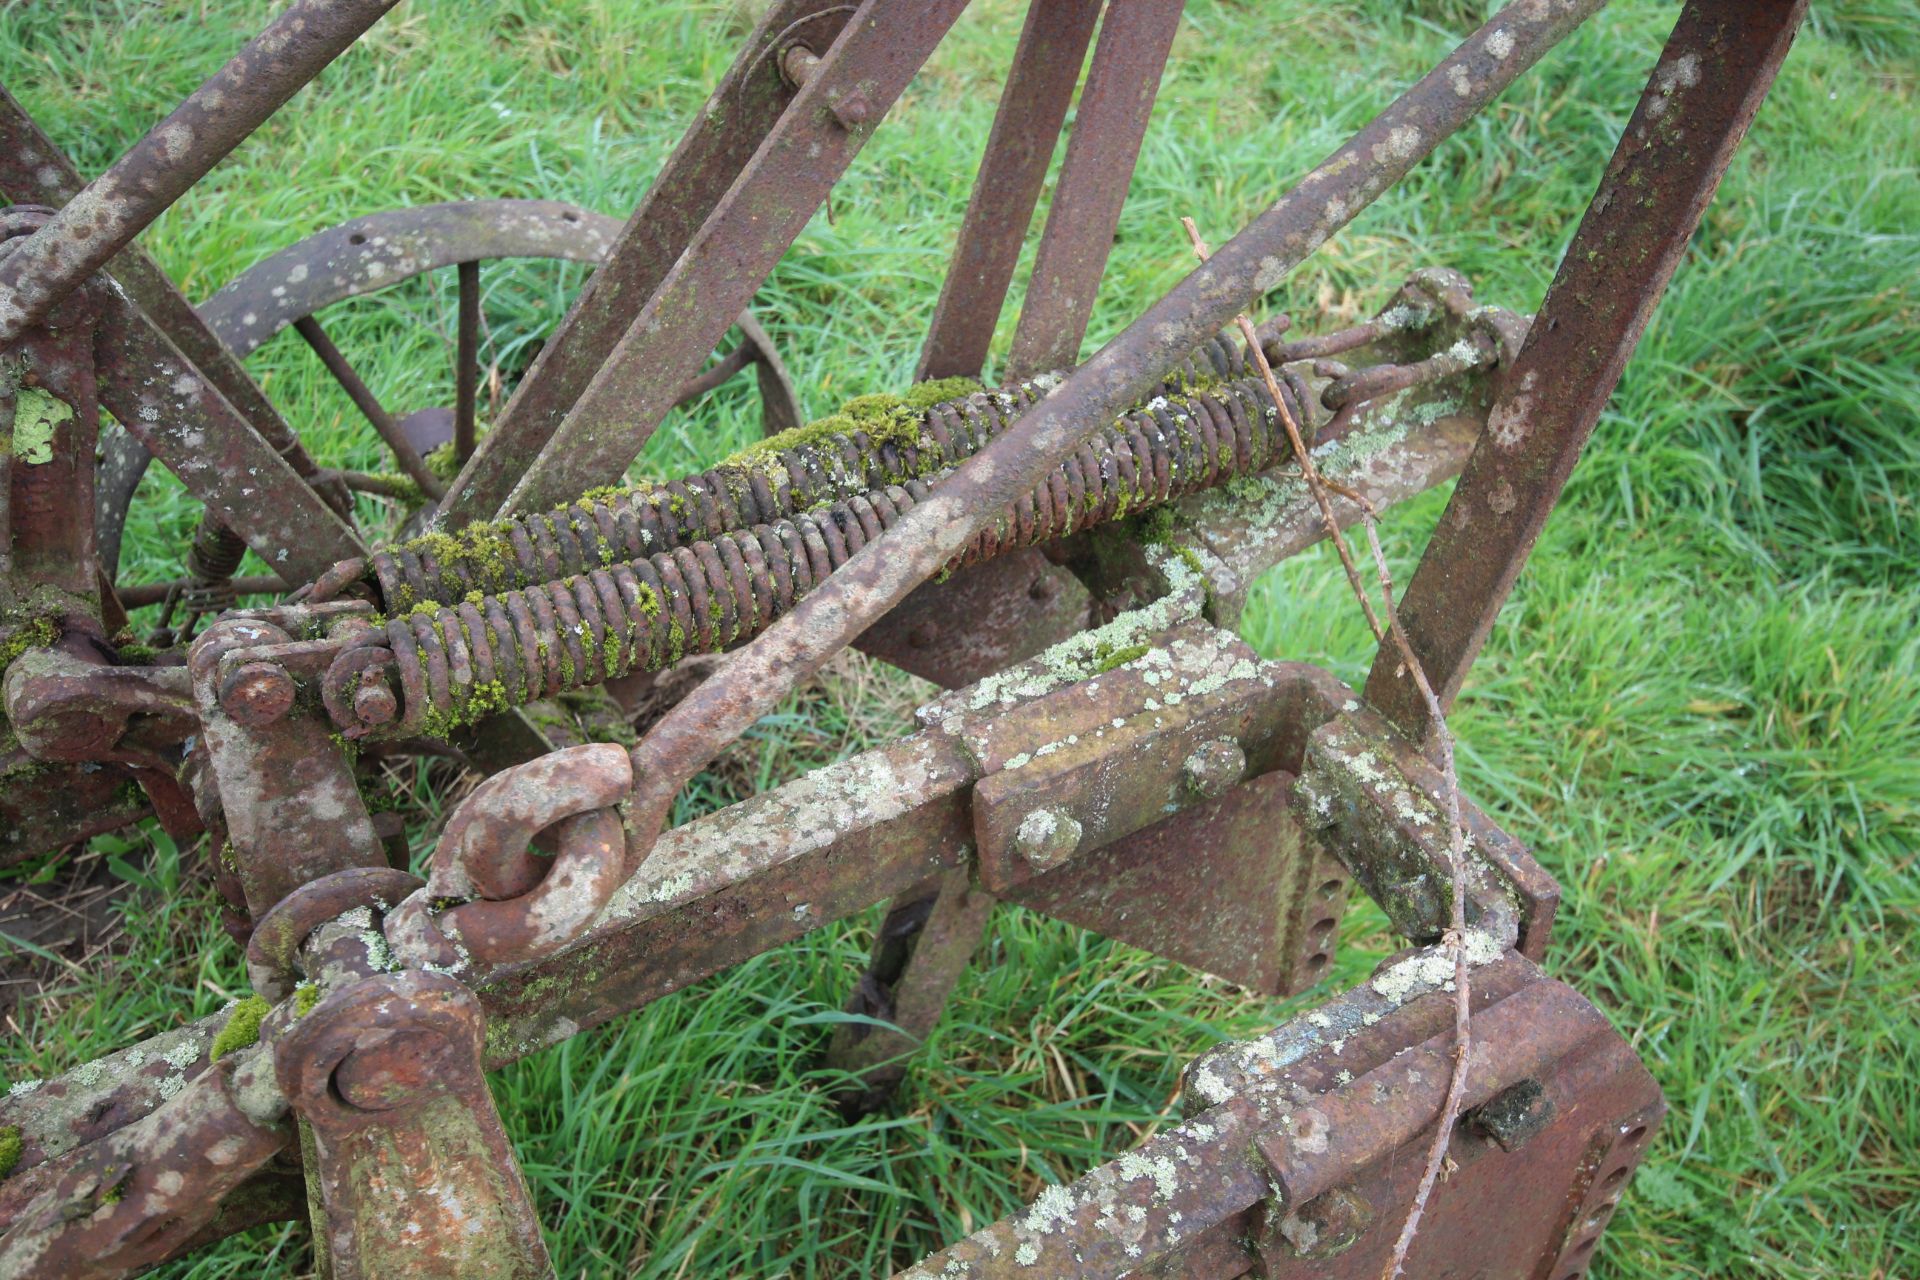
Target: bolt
(257,694)
(852,109)
(1214,768)
(1046,838)
(374,703)
(797,65)
(1327,1225)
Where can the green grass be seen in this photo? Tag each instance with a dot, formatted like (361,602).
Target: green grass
(1701,708)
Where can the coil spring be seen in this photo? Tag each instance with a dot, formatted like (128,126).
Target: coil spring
(456,662)
(593,533)
(212,559)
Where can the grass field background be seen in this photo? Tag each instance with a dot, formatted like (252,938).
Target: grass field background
(1701,707)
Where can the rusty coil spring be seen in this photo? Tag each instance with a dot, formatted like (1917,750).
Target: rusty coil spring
(213,558)
(449,664)
(631,524)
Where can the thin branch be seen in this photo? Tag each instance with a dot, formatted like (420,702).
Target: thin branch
(1455,937)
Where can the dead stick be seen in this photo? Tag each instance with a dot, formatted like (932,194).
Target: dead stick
(1455,936)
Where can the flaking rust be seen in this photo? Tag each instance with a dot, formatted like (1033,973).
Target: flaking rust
(1066,555)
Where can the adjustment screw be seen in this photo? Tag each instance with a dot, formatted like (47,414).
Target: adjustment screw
(1046,838)
(1214,768)
(257,694)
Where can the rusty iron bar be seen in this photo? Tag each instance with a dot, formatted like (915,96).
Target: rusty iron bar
(713,155)
(155,393)
(1253,262)
(214,119)
(146,593)
(1033,106)
(141,595)
(47,540)
(737,245)
(1703,94)
(1108,128)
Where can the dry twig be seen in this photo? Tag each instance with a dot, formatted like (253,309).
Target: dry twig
(1455,937)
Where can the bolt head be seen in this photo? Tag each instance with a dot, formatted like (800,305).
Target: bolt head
(1046,838)
(1327,1225)
(375,704)
(1214,768)
(257,694)
(852,110)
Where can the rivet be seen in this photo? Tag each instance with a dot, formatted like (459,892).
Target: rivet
(1046,838)
(1214,768)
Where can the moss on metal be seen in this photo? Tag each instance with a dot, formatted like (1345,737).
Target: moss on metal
(242,1027)
(34,633)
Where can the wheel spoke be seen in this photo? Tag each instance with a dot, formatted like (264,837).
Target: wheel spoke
(466,368)
(363,398)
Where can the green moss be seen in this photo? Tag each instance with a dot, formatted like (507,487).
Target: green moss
(36,633)
(1155,528)
(925,395)
(484,551)
(242,1029)
(305,996)
(10,1145)
(887,418)
(443,462)
(676,640)
(615,492)
(478,701)
(1107,659)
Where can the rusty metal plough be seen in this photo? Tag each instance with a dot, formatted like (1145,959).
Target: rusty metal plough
(1065,554)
